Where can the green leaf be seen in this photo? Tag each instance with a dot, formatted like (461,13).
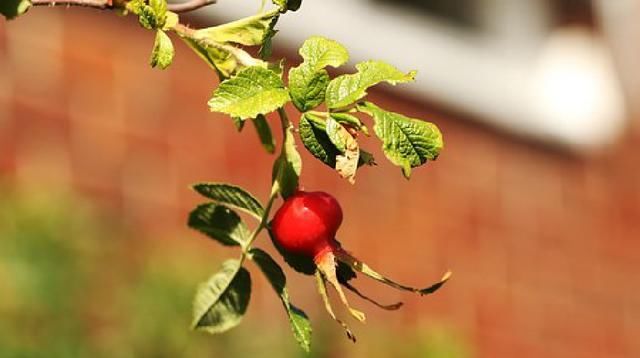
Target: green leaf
(221,302)
(219,223)
(135,6)
(347,89)
(351,121)
(159,8)
(347,160)
(13,8)
(308,82)
(300,324)
(291,5)
(254,90)
(152,16)
(288,166)
(163,52)
(307,87)
(314,138)
(266,49)
(264,133)
(146,16)
(231,195)
(249,31)
(220,60)
(406,142)
(319,52)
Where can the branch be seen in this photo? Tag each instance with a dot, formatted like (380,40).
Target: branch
(189,5)
(98,4)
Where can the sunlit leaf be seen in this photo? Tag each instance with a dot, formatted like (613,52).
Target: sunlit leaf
(347,89)
(163,52)
(308,82)
(249,31)
(253,91)
(407,142)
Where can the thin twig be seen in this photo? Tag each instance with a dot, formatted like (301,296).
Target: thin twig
(190,5)
(98,4)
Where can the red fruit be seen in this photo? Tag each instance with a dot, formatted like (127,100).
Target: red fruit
(306,224)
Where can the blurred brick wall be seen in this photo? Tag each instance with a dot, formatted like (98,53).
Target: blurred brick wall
(544,246)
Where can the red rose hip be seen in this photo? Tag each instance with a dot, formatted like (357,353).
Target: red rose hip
(306,224)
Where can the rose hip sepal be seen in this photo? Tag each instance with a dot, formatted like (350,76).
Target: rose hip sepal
(304,231)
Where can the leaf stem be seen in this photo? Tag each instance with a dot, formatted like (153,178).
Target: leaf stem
(98,4)
(275,189)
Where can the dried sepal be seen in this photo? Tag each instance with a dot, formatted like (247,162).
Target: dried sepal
(327,267)
(322,290)
(391,307)
(360,266)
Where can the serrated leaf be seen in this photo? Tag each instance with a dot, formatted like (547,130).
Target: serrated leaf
(308,82)
(300,324)
(249,31)
(319,52)
(219,223)
(221,302)
(347,89)
(347,160)
(314,137)
(254,90)
(11,9)
(264,133)
(231,195)
(307,87)
(163,52)
(406,142)
(288,166)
